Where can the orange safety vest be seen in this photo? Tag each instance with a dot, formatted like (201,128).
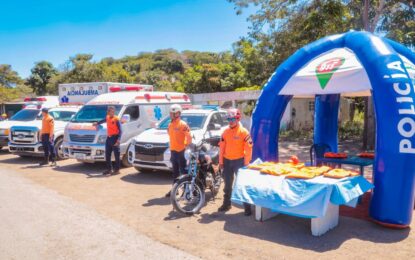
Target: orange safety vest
(112,126)
(236,143)
(179,133)
(48,125)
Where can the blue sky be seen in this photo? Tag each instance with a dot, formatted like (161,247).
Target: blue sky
(54,30)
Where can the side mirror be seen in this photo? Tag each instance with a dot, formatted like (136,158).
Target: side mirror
(213,127)
(125,119)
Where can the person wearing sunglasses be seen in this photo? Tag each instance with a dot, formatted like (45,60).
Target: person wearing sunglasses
(235,153)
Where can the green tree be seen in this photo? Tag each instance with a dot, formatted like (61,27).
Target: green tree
(41,76)
(8,77)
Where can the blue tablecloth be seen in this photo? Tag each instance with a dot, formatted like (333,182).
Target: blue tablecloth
(298,197)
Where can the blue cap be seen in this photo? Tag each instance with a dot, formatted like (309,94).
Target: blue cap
(45,109)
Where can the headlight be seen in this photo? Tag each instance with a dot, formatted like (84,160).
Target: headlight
(4,131)
(102,139)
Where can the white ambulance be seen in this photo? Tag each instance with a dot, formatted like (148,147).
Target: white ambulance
(29,114)
(138,111)
(81,93)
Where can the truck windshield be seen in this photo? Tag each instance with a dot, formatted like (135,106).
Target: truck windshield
(26,115)
(195,121)
(93,113)
(62,115)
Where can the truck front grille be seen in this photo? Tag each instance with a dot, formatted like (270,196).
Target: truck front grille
(150,149)
(82,138)
(23,136)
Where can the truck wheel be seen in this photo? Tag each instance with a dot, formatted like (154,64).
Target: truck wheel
(124,160)
(58,149)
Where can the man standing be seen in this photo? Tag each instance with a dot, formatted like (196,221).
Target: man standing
(180,138)
(235,153)
(112,143)
(48,125)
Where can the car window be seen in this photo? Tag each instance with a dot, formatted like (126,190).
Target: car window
(224,119)
(133,111)
(195,121)
(216,119)
(26,115)
(93,113)
(62,115)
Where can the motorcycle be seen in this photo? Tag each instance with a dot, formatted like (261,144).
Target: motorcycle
(188,193)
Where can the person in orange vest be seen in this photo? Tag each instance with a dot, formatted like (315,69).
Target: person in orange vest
(235,153)
(46,134)
(180,138)
(112,144)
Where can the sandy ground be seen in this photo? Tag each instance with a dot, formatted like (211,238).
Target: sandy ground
(37,223)
(137,201)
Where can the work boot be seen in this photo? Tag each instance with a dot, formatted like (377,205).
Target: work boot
(106,172)
(44,162)
(53,162)
(247,210)
(224,207)
(116,172)
(168,194)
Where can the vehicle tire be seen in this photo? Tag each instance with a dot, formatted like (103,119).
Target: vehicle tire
(181,193)
(58,149)
(124,159)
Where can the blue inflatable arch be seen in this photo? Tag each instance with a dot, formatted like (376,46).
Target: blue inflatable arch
(394,101)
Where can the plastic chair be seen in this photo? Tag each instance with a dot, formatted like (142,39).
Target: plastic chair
(317,151)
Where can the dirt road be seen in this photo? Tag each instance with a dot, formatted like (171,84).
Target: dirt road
(137,201)
(37,223)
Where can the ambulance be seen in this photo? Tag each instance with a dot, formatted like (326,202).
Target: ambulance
(81,93)
(24,137)
(137,111)
(27,116)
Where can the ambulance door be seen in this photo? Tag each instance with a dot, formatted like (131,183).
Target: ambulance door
(132,127)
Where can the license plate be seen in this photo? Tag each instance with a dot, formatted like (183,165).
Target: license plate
(80,156)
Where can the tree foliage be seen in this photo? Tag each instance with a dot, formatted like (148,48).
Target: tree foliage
(41,76)
(11,85)
(280,27)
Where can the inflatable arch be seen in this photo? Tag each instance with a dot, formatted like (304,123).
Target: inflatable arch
(353,63)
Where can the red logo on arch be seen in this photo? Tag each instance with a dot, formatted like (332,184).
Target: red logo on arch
(326,69)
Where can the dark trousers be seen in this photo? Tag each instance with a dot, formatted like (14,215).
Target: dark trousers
(230,169)
(179,164)
(48,147)
(109,148)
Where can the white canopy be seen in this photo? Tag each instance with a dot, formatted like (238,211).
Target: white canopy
(337,71)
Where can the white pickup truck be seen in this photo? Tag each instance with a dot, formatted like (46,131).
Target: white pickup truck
(25,137)
(150,149)
(29,113)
